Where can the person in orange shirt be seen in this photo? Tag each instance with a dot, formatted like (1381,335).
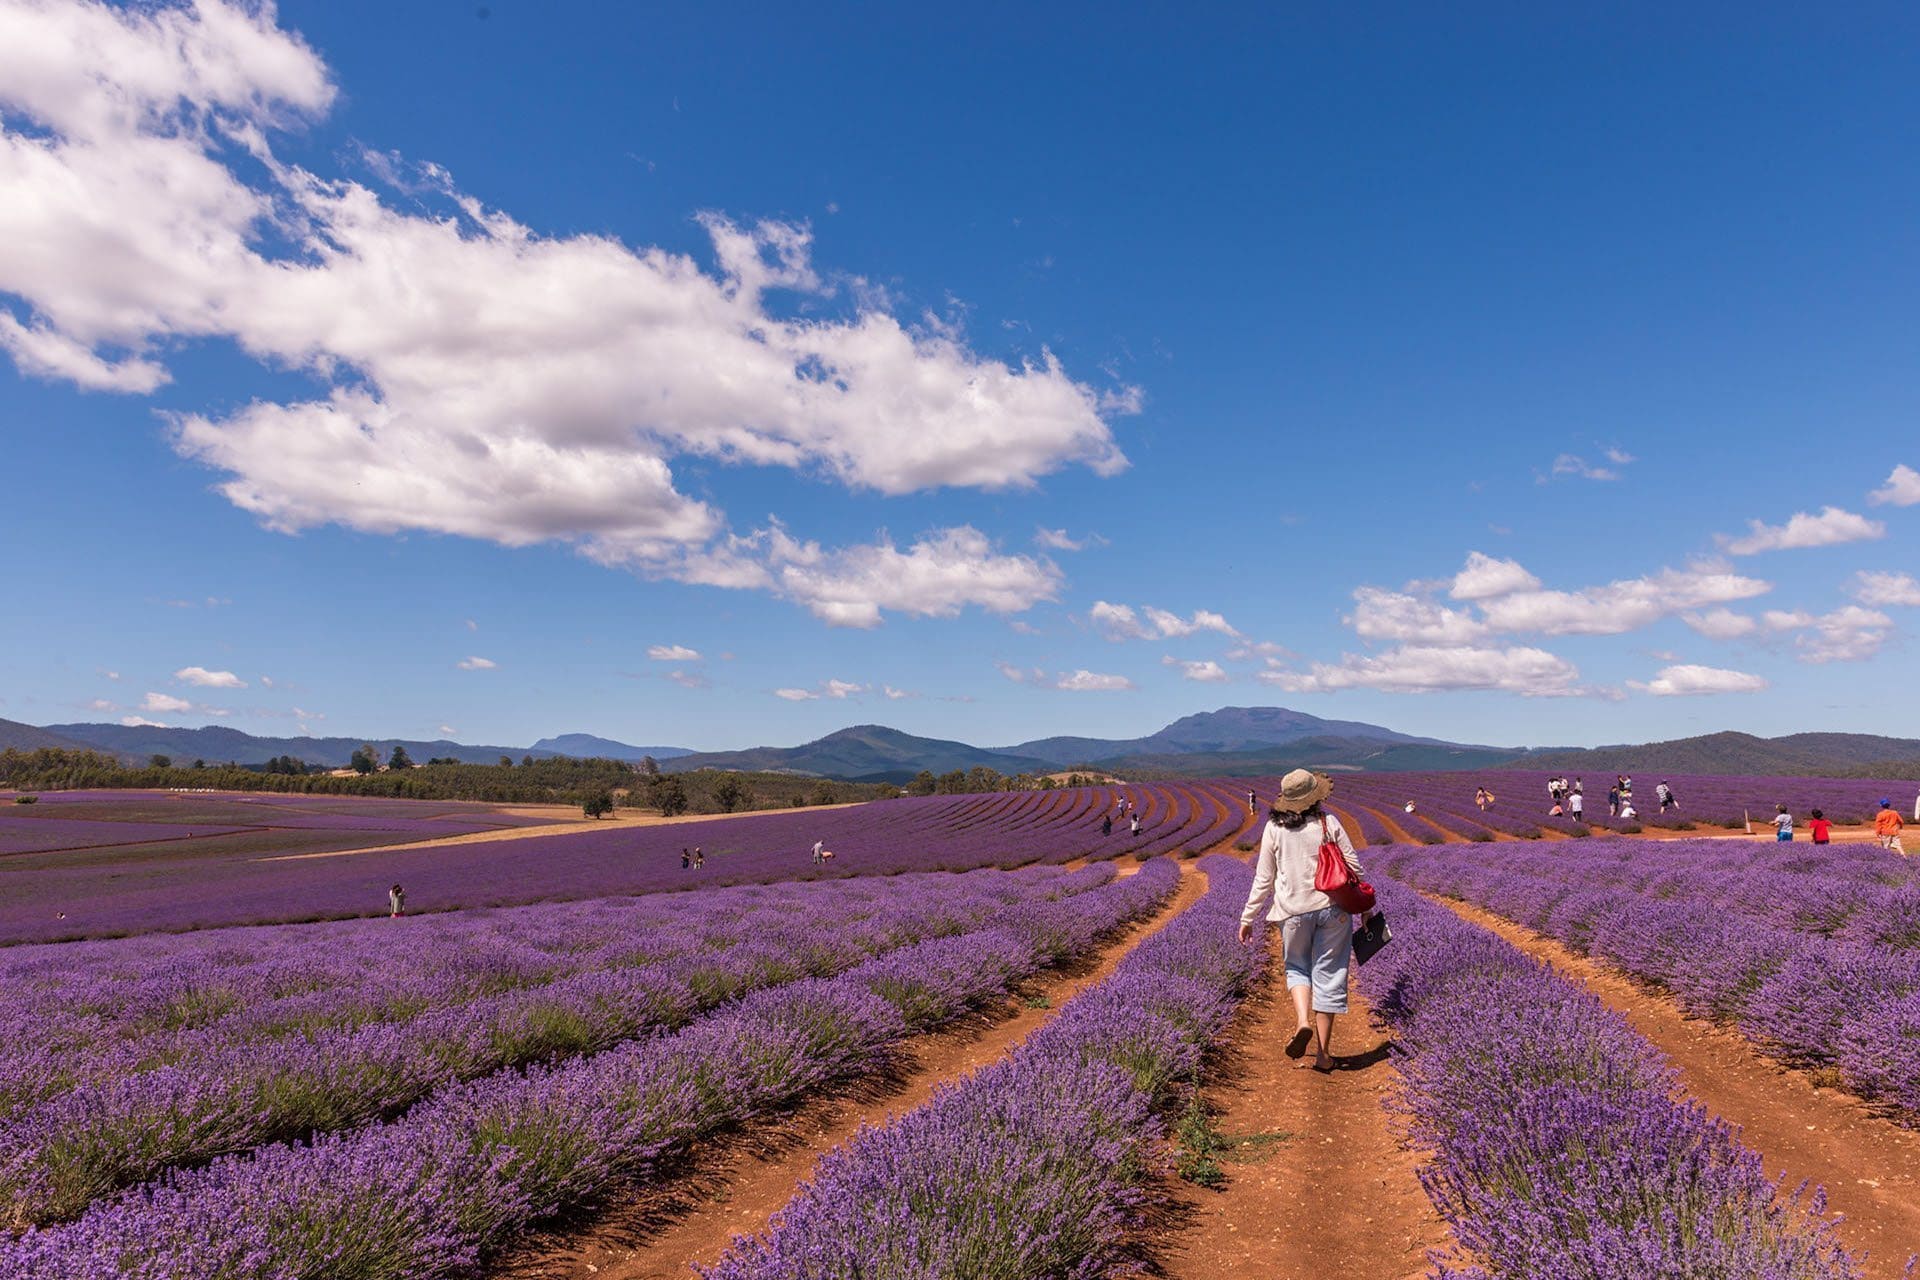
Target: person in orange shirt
(1886,825)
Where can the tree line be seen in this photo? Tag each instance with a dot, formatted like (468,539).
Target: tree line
(557,780)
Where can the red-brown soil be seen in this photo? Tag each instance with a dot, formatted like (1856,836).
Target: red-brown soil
(734,1185)
(1869,1165)
(1337,1196)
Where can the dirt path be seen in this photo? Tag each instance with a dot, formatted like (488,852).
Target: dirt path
(1869,1165)
(1337,1195)
(734,1186)
(572,825)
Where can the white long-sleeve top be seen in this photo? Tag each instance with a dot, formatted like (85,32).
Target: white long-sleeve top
(1287,862)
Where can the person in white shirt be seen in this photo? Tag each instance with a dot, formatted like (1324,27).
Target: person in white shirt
(1576,803)
(1316,936)
(1782,824)
(819,851)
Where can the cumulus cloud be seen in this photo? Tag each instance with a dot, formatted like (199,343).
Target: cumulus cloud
(1902,488)
(474,376)
(1687,679)
(446,731)
(842,688)
(1258,650)
(1060,540)
(672,653)
(689,679)
(101,704)
(1572,464)
(164,702)
(140,722)
(1831,527)
(795,695)
(1485,577)
(1848,634)
(1620,606)
(476,664)
(1122,622)
(1398,615)
(209,679)
(1081,681)
(1532,673)
(1721,624)
(893,694)
(1203,672)
(1871,587)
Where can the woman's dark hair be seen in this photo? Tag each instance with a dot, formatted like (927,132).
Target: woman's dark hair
(1295,821)
(1818,814)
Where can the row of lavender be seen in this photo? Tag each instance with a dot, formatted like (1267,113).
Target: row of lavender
(434,1192)
(950,833)
(1814,956)
(99,1102)
(1558,1144)
(1032,1166)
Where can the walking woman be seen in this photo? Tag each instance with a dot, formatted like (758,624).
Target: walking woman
(396,902)
(1316,936)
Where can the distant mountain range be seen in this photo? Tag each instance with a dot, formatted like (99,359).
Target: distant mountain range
(1242,741)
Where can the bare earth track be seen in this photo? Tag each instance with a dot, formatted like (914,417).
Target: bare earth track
(734,1186)
(1869,1165)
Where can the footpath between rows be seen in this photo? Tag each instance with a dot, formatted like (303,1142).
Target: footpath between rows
(1869,1165)
(735,1185)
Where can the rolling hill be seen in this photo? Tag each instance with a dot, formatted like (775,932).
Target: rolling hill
(863,753)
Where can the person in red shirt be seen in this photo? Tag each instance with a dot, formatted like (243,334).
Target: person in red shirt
(1822,829)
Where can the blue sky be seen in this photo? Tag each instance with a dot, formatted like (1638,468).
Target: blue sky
(988,373)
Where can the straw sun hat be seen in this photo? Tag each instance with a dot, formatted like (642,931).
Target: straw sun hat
(1301,789)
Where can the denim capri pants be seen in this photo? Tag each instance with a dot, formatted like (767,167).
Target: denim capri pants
(1318,947)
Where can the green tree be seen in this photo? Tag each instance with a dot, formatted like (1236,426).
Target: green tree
(399,759)
(526,762)
(825,794)
(199,764)
(668,796)
(953,783)
(923,784)
(159,761)
(730,794)
(506,762)
(365,760)
(598,805)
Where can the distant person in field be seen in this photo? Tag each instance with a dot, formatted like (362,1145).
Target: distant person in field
(1887,825)
(1613,802)
(1556,811)
(1627,812)
(1577,788)
(397,902)
(1250,799)
(1315,935)
(1821,828)
(1782,824)
(819,849)
(1576,804)
(1106,825)
(699,858)
(1482,797)
(686,859)
(1664,794)
(1134,819)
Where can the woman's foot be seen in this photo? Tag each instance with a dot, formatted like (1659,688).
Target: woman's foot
(1324,1065)
(1297,1046)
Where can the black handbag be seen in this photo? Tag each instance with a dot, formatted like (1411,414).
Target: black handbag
(1370,937)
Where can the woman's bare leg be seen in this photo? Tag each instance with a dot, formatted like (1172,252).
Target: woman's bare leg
(1323,1040)
(1302,1006)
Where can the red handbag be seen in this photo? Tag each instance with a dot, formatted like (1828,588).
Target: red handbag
(1333,878)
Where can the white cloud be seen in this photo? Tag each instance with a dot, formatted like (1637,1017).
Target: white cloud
(689,679)
(101,704)
(139,722)
(1721,624)
(1485,577)
(842,688)
(672,653)
(300,714)
(1572,464)
(447,731)
(1257,650)
(209,679)
(1396,615)
(472,625)
(164,702)
(937,576)
(1081,681)
(476,664)
(111,675)
(1434,669)
(1848,634)
(474,377)
(1687,679)
(893,694)
(1121,622)
(1060,540)
(1084,681)
(1203,672)
(1902,488)
(795,695)
(266,682)
(1621,606)
(1871,587)
(1831,527)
